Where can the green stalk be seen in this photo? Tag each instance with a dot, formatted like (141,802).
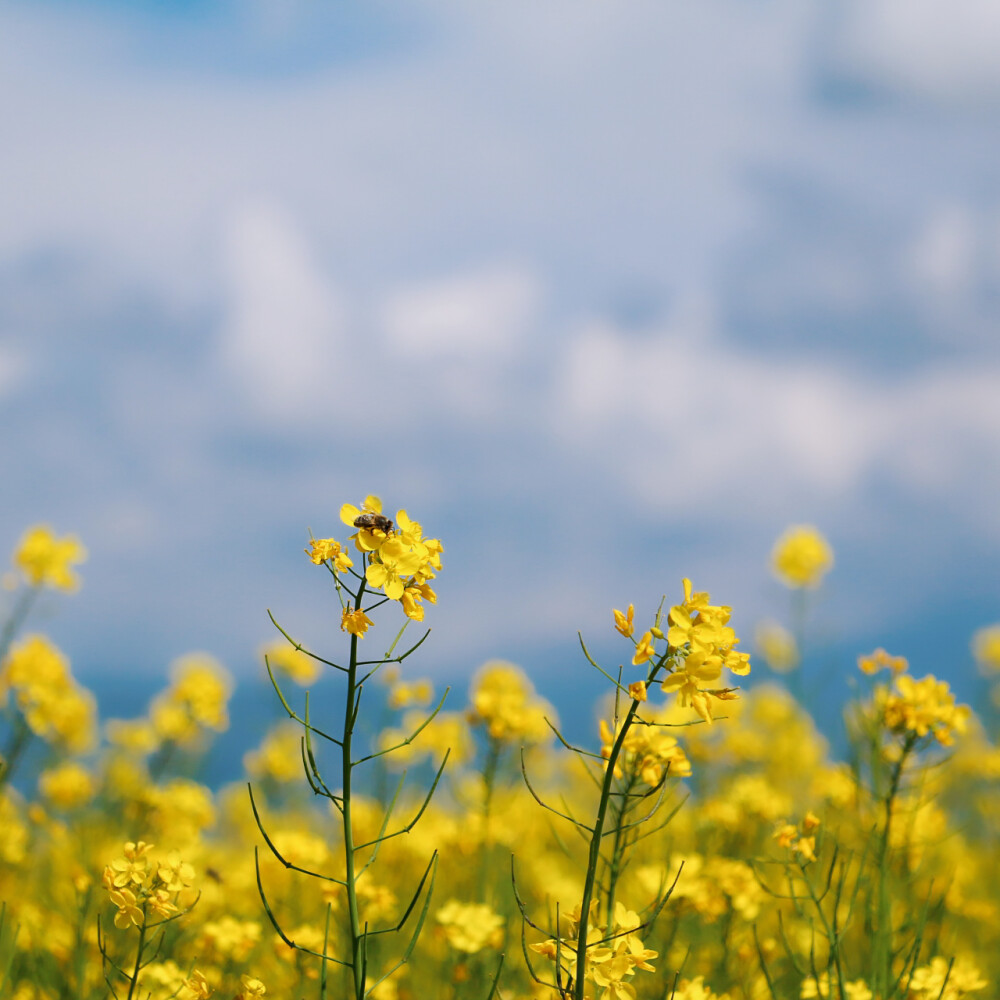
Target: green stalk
(618,849)
(883,931)
(134,981)
(490,766)
(17,617)
(595,841)
(357,937)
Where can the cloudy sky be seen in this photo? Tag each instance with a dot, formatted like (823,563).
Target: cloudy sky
(605,294)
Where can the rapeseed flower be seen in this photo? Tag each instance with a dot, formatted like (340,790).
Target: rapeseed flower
(300,667)
(46,560)
(470,927)
(624,622)
(986,648)
(504,701)
(355,621)
(801,557)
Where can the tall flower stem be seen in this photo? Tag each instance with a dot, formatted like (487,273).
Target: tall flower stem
(594,856)
(350,716)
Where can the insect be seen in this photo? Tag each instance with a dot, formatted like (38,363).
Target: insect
(373,522)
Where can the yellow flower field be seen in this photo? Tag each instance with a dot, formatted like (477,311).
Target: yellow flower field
(703,845)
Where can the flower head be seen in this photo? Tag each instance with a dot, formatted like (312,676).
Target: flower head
(801,557)
(46,560)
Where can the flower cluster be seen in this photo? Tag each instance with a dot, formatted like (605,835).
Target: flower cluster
(924,708)
(613,953)
(400,560)
(46,561)
(504,701)
(139,887)
(197,700)
(801,557)
(700,643)
(647,752)
(470,927)
(801,841)
(54,706)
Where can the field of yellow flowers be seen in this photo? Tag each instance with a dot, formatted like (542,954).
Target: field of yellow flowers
(702,846)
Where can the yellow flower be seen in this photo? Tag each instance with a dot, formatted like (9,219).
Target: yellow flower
(623,622)
(373,537)
(637,691)
(323,549)
(45,560)
(197,987)
(801,557)
(645,649)
(129,912)
(504,700)
(251,987)
(986,648)
(355,622)
(67,786)
(470,927)
(872,663)
(302,669)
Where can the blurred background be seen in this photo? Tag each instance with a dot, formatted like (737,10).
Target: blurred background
(605,295)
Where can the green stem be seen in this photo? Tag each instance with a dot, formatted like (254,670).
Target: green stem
(357,937)
(883,929)
(490,766)
(16,619)
(595,841)
(134,981)
(618,849)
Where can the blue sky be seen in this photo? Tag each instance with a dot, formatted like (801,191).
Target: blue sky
(604,294)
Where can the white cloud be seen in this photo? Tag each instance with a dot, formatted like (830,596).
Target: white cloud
(946,52)
(701,426)
(284,333)
(483,313)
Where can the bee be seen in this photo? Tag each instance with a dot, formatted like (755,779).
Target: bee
(373,522)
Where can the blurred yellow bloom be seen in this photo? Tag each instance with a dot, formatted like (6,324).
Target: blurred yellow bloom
(637,690)
(801,557)
(45,560)
(986,648)
(67,786)
(285,658)
(470,927)
(251,987)
(279,756)
(872,663)
(196,987)
(938,981)
(504,700)
(925,707)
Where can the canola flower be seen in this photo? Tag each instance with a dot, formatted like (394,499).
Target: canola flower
(46,560)
(801,557)
(986,648)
